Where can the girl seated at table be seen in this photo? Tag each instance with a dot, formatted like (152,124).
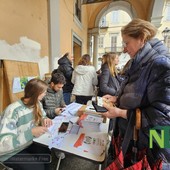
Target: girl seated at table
(22,121)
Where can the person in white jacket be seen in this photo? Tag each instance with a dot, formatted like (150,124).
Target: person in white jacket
(84,79)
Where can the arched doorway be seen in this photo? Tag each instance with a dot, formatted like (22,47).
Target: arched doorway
(107,35)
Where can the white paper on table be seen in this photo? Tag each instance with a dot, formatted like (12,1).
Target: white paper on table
(56,137)
(59,119)
(92,143)
(72,108)
(53,129)
(57,141)
(74,119)
(65,113)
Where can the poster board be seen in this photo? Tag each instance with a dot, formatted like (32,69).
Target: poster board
(14,69)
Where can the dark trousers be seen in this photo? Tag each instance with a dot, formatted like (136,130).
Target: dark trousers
(83,99)
(67,98)
(36,157)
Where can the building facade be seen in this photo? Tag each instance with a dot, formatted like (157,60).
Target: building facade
(74,26)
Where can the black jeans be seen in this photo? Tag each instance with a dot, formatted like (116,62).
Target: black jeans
(36,157)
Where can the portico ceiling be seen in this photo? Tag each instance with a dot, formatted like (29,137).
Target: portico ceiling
(150,10)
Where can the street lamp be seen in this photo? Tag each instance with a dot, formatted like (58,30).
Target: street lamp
(165,33)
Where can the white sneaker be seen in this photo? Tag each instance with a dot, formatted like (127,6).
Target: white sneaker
(60,155)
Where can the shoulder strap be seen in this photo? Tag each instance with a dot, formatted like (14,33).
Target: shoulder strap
(128,133)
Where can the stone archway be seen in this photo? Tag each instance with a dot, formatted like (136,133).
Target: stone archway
(118,5)
(157,12)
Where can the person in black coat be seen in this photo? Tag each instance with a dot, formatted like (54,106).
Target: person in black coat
(109,83)
(65,67)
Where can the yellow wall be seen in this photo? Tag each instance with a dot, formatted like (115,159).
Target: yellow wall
(24,18)
(68,26)
(93,11)
(143,8)
(30,18)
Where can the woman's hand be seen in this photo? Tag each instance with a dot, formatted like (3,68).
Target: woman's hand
(114,112)
(46,122)
(108,98)
(38,131)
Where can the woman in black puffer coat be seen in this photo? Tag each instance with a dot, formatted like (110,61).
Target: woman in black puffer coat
(65,67)
(146,86)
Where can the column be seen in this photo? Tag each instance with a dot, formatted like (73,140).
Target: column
(54,33)
(89,45)
(95,50)
(157,16)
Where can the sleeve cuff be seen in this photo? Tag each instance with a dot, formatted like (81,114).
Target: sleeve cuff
(28,135)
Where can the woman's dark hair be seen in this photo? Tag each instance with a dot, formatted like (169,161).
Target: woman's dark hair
(58,78)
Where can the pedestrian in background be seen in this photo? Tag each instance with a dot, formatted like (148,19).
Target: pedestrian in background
(84,79)
(65,67)
(109,83)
